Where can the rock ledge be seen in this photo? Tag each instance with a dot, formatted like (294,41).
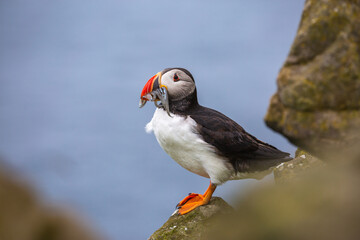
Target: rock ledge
(192,225)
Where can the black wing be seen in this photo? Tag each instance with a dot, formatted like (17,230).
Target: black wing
(245,152)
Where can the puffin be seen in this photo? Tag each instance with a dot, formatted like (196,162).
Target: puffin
(202,140)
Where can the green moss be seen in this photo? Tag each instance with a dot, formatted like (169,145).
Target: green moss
(295,169)
(317,105)
(322,204)
(192,225)
(319,36)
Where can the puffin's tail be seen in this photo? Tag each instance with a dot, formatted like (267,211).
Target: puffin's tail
(266,164)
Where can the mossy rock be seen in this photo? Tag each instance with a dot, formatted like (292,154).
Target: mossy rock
(317,106)
(193,224)
(322,205)
(296,169)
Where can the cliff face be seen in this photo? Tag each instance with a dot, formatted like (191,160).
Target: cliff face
(317,105)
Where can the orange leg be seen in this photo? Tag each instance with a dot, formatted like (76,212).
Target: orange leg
(195,200)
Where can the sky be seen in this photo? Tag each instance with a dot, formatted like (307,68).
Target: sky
(71,73)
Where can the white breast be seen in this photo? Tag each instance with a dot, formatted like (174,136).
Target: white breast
(178,137)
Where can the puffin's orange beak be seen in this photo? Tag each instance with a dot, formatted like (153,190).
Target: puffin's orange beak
(151,85)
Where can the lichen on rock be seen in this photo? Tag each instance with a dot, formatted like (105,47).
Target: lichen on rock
(193,224)
(322,205)
(296,169)
(317,106)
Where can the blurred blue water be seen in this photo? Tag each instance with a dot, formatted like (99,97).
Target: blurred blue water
(70,77)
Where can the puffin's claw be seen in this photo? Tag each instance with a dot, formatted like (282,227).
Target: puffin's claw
(176,212)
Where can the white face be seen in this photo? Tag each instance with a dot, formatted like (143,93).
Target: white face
(178,83)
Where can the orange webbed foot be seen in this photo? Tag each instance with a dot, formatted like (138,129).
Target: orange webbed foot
(194,200)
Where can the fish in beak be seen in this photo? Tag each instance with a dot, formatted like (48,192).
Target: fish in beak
(154,91)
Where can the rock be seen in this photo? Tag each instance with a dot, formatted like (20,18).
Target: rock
(23,216)
(294,170)
(193,224)
(324,205)
(317,105)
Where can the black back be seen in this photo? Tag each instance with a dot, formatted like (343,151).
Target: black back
(245,152)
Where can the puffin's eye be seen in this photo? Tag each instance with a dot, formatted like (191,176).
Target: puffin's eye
(176,77)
